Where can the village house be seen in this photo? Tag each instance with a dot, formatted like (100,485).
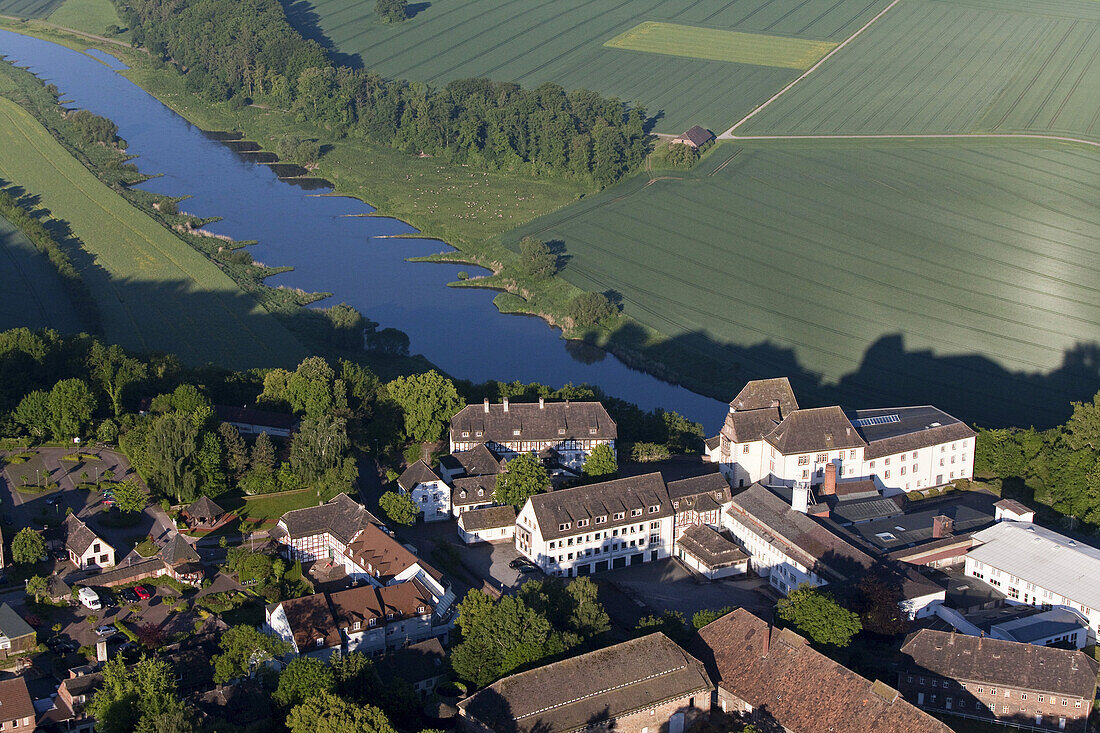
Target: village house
(710,553)
(204,514)
(428,490)
(699,500)
(767,438)
(423,665)
(1035,566)
(324,531)
(16,635)
(645,685)
(588,529)
(86,550)
(489,524)
(777,680)
(73,693)
(1022,685)
(695,137)
(478,461)
(251,421)
(16,709)
(570,429)
(380,560)
(472,492)
(181,561)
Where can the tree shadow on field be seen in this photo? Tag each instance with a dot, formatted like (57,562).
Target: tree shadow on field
(303,16)
(414,9)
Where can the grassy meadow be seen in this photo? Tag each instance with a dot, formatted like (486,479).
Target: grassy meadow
(933,66)
(692,42)
(89,16)
(531,42)
(781,255)
(32,294)
(153,290)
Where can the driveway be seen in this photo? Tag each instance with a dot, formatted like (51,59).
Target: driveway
(666,584)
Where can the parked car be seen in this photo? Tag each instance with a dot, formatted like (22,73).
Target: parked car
(106,630)
(61,555)
(523,566)
(107,599)
(62,646)
(89,598)
(142,592)
(128,595)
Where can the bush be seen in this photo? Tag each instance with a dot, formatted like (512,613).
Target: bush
(391,11)
(536,259)
(463,275)
(649,452)
(588,309)
(681,156)
(914,495)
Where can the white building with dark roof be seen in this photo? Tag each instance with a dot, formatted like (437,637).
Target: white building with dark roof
(428,490)
(324,531)
(768,438)
(1039,567)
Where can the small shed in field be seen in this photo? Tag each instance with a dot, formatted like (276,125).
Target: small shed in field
(696,137)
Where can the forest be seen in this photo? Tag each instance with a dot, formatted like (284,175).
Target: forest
(247,52)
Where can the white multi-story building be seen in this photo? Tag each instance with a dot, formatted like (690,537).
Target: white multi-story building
(592,528)
(1036,566)
(428,490)
(566,430)
(767,438)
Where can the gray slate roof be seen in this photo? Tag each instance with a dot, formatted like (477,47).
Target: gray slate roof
(969,511)
(819,428)
(601,500)
(1054,622)
(204,506)
(466,490)
(602,685)
(1044,557)
(713,484)
(12,624)
(710,547)
(342,517)
(490,517)
(763,393)
(1001,663)
(479,461)
(916,427)
(697,135)
(745,427)
(535,423)
(178,551)
(418,473)
(78,535)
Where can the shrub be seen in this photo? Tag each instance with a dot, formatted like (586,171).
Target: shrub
(914,495)
(649,452)
(536,259)
(588,309)
(463,275)
(391,11)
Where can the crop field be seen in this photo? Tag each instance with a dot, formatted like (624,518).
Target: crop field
(814,257)
(32,294)
(693,42)
(939,66)
(531,41)
(28,8)
(90,16)
(153,290)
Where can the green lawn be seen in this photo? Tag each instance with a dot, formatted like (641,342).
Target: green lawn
(532,41)
(932,66)
(688,41)
(153,290)
(90,16)
(827,258)
(269,507)
(32,294)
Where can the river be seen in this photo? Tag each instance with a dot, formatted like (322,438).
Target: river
(334,248)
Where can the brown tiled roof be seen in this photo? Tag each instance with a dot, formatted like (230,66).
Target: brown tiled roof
(78,536)
(1013,506)
(893,430)
(577,419)
(125,573)
(479,461)
(385,557)
(713,443)
(918,440)
(470,485)
(745,427)
(490,517)
(862,486)
(566,506)
(1001,663)
(204,506)
(404,600)
(791,684)
(709,547)
(356,604)
(342,517)
(762,393)
(178,551)
(602,685)
(418,473)
(819,428)
(310,618)
(15,701)
(259,418)
(414,663)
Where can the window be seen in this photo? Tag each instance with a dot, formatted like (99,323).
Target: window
(582,522)
(922,681)
(887,461)
(1077,704)
(909,678)
(465,433)
(871,464)
(320,642)
(619,515)
(601,520)
(993,691)
(95,547)
(1041,698)
(745,449)
(372,622)
(563,526)
(1023,695)
(1065,702)
(592,431)
(935,683)
(803,460)
(914,455)
(851,454)
(903,470)
(655,508)
(654,525)
(887,473)
(822,457)
(477,433)
(561,431)
(979,690)
(635,512)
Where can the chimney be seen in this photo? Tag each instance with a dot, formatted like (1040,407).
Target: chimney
(505,402)
(829,487)
(767,642)
(486,404)
(542,403)
(101,650)
(942,526)
(800,497)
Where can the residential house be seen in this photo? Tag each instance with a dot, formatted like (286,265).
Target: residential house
(777,680)
(379,559)
(16,709)
(154,567)
(324,531)
(1057,627)
(645,685)
(57,590)
(699,500)
(73,694)
(571,429)
(423,665)
(204,514)
(489,524)
(1035,566)
(16,635)
(428,490)
(588,529)
(181,560)
(695,137)
(1022,685)
(86,550)
(251,421)
(768,438)
(478,461)
(472,492)
(710,553)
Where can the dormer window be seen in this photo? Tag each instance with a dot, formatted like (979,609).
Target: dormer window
(515,432)
(563,526)
(655,508)
(481,492)
(420,609)
(675,505)
(372,622)
(582,522)
(592,431)
(462,494)
(561,431)
(601,520)
(320,642)
(465,433)
(619,515)
(389,616)
(477,433)
(635,512)
(355,626)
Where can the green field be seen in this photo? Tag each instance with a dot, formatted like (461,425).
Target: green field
(90,16)
(531,41)
(28,8)
(932,66)
(152,289)
(32,294)
(693,42)
(809,254)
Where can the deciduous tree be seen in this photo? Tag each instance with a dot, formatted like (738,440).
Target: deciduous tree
(243,648)
(327,713)
(428,401)
(399,508)
(1083,427)
(818,616)
(37,587)
(113,371)
(303,678)
(33,413)
(131,698)
(601,461)
(130,496)
(27,547)
(71,406)
(524,477)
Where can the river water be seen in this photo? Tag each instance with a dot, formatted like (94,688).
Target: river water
(334,248)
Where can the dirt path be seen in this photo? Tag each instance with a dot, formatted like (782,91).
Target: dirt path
(74,31)
(928,136)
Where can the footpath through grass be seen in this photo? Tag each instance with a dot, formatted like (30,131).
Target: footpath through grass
(153,290)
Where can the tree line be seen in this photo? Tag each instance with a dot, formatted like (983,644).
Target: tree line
(245,51)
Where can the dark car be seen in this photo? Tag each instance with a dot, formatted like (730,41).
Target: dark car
(107,600)
(61,555)
(523,566)
(517,562)
(128,595)
(142,592)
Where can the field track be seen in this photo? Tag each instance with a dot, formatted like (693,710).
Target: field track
(153,290)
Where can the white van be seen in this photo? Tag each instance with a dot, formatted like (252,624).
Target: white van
(89,598)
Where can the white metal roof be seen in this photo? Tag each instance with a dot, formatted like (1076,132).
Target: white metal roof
(1037,555)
